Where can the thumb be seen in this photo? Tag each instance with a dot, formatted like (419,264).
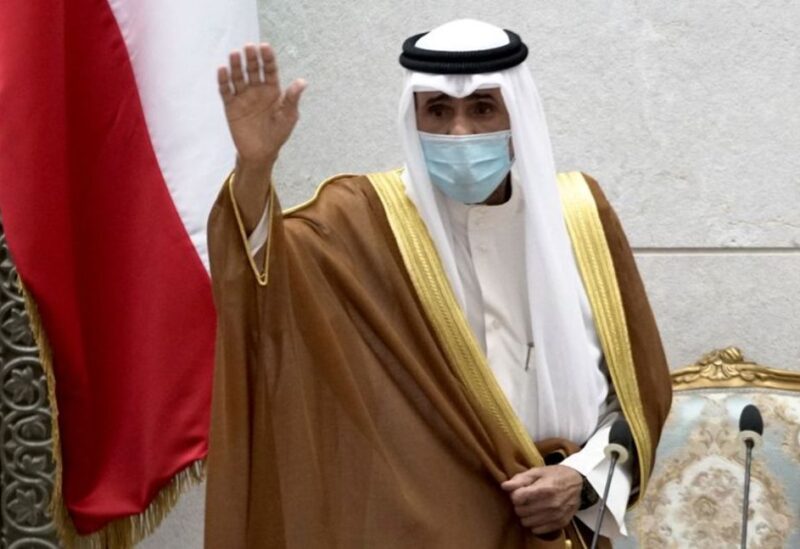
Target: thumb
(526,478)
(291,96)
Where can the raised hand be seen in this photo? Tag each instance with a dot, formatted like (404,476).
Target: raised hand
(261,115)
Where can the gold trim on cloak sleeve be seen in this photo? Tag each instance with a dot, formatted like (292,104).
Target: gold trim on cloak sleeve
(602,288)
(317,192)
(262,277)
(442,309)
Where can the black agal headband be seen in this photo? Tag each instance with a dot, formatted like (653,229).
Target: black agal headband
(463,62)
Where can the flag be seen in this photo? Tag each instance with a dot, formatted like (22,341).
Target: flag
(113,146)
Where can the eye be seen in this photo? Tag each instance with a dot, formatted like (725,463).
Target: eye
(437,111)
(484,108)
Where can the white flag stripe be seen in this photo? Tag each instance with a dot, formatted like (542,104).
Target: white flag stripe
(175,48)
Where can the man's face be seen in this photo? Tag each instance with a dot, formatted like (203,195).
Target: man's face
(484,111)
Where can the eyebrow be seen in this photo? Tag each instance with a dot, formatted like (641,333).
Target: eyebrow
(474,96)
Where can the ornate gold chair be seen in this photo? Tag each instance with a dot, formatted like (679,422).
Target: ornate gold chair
(695,495)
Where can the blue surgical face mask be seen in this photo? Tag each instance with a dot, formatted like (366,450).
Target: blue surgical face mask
(467,168)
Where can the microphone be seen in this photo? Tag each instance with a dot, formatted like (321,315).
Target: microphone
(618,450)
(751,426)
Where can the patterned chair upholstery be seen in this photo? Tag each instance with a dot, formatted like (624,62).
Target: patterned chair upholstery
(695,494)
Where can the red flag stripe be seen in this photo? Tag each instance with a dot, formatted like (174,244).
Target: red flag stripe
(124,298)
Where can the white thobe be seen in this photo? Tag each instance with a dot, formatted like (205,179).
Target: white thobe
(489,249)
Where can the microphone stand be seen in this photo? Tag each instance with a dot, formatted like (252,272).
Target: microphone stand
(618,450)
(751,428)
(746,503)
(601,514)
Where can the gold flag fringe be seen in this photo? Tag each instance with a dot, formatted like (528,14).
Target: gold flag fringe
(122,533)
(126,532)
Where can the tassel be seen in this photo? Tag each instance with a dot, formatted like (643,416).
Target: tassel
(122,533)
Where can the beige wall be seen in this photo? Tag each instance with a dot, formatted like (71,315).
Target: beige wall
(687,112)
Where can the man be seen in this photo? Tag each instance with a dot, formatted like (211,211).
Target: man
(430,357)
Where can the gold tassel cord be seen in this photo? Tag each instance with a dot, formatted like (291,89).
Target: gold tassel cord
(122,533)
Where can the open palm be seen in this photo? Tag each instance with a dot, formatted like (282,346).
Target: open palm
(260,115)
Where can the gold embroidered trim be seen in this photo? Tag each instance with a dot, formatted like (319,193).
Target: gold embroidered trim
(262,277)
(602,288)
(314,198)
(433,288)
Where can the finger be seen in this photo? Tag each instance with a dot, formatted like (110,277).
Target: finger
(514,483)
(522,496)
(536,521)
(529,509)
(519,480)
(548,527)
(538,494)
(269,64)
(291,97)
(543,523)
(251,64)
(546,521)
(237,76)
(224,81)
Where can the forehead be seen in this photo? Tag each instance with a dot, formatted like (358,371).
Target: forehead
(424,97)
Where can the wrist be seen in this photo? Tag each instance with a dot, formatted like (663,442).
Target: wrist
(260,166)
(588,495)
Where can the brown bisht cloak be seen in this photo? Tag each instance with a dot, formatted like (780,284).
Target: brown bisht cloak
(352,406)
